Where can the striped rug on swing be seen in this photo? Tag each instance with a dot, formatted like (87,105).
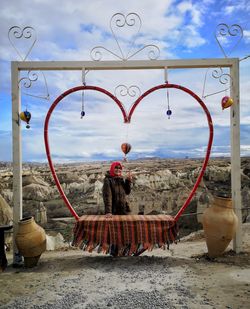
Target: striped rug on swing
(130,234)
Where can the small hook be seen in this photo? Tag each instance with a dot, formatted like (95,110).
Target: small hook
(18,119)
(166,75)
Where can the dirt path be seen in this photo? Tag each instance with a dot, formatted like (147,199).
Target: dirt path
(179,278)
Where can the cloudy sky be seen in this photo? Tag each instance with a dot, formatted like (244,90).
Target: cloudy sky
(69,30)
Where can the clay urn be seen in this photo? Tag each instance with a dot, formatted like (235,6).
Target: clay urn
(219,224)
(30,240)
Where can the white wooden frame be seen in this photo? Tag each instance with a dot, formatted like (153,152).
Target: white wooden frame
(231,63)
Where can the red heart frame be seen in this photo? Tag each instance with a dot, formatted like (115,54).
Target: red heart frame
(127,118)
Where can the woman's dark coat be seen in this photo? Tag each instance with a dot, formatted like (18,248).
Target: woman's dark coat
(114,192)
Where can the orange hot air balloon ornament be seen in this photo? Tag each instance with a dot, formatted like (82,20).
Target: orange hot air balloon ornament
(125,147)
(26,116)
(226,102)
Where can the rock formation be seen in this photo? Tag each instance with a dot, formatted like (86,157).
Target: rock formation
(6,213)
(159,186)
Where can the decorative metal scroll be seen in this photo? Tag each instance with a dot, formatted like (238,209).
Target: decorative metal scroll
(224,79)
(27,35)
(28,81)
(132,91)
(223,35)
(125,91)
(223,32)
(119,21)
(244,58)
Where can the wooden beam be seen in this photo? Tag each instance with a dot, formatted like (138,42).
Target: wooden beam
(17,155)
(125,65)
(235,154)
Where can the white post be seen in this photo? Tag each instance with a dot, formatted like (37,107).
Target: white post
(235,154)
(17,157)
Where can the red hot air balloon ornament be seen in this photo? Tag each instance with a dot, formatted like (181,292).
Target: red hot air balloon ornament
(125,147)
(226,102)
(26,116)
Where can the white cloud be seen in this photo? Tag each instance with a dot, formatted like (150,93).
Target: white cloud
(246,34)
(229,9)
(195,12)
(240,5)
(192,38)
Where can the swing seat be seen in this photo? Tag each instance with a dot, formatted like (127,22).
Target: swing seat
(130,234)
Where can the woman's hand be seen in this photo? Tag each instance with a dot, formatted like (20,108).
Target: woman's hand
(129,176)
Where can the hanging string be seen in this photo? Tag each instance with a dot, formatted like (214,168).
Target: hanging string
(126,147)
(226,91)
(82,111)
(168,112)
(84,83)
(204,85)
(126,136)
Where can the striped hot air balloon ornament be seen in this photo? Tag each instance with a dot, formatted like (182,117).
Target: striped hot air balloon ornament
(125,147)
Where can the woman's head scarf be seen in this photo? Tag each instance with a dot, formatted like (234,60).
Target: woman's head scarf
(112,168)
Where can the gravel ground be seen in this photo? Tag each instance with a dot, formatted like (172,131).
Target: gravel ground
(182,277)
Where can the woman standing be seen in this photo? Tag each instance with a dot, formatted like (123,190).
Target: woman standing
(115,189)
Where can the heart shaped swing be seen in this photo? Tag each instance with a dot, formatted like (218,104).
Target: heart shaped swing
(131,234)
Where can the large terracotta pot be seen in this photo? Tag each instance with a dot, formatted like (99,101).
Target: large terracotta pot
(219,224)
(30,240)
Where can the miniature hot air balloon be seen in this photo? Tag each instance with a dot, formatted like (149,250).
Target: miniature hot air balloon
(125,147)
(226,102)
(26,116)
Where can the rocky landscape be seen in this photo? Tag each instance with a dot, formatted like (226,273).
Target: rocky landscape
(159,186)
